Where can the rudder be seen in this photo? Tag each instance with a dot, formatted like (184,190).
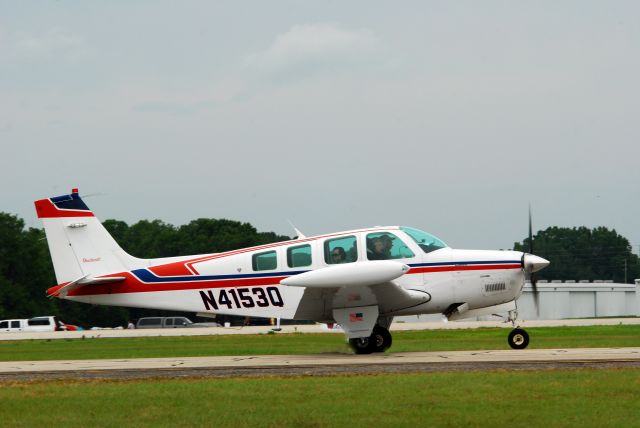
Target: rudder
(79,244)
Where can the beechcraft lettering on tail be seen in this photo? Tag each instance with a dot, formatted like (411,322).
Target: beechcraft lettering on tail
(360,279)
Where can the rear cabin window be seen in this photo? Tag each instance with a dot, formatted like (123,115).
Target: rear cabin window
(4,324)
(341,250)
(15,324)
(299,256)
(265,261)
(386,246)
(168,321)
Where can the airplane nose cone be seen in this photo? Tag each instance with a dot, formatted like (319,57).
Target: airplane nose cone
(535,263)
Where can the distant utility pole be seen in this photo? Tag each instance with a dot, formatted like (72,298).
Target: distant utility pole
(625,271)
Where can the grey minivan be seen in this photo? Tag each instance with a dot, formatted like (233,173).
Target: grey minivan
(164,322)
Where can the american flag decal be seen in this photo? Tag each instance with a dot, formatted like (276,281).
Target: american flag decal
(353,317)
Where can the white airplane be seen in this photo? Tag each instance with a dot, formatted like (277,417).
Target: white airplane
(360,279)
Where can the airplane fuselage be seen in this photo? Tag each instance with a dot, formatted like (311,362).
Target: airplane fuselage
(231,282)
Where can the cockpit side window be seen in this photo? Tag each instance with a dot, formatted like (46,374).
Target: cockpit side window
(425,241)
(341,250)
(386,246)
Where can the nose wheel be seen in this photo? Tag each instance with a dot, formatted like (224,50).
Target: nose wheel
(518,338)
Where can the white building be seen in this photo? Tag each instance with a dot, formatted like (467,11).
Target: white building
(583,299)
(569,299)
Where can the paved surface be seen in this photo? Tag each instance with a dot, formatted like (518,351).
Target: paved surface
(288,365)
(307,328)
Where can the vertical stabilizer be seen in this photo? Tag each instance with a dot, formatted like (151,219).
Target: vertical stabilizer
(79,244)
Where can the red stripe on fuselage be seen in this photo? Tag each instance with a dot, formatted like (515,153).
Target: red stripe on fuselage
(171,269)
(133,285)
(427,269)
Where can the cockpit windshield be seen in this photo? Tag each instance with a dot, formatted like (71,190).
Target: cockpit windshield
(427,242)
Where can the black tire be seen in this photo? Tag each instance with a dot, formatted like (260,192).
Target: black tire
(361,345)
(518,338)
(380,339)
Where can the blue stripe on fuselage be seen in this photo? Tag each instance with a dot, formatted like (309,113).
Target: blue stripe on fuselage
(145,275)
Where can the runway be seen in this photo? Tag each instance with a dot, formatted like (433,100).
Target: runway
(322,364)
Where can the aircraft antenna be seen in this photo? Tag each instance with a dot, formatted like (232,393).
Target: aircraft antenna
(299,235)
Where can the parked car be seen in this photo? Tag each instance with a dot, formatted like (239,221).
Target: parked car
(48,323)
(11,325)
(171,322)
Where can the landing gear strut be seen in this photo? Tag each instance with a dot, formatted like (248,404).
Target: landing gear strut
(518,338)
(379,341)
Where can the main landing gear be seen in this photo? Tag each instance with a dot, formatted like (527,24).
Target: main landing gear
(518,338)
(379,341)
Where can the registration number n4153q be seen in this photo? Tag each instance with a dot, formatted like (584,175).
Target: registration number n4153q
(241,298)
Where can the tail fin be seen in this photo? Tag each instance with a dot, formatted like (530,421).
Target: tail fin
(79,244)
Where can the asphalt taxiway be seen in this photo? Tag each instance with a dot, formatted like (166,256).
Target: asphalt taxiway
(322,364)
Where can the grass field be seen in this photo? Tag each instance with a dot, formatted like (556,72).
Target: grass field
(552,398)
(270,344)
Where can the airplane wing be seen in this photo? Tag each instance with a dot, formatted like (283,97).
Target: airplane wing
(85,281)
(354,285)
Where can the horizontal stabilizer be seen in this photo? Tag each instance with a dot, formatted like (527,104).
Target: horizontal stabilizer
(84,281)
(349,275)
(101,280)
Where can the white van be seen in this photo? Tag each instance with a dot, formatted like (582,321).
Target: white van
(49,323)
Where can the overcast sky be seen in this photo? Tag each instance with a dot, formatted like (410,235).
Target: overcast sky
(447,116)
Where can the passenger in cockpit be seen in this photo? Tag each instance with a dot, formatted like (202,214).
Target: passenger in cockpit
(338,255)
(379,248)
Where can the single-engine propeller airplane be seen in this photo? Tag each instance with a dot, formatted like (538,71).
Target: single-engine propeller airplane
(360,279)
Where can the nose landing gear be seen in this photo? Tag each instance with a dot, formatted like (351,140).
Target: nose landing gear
(518,338)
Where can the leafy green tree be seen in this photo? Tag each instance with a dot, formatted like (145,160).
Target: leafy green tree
(581,253)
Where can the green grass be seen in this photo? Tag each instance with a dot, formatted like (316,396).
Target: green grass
(553,398)
(403,341)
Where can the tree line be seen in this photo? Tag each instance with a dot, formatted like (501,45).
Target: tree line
(26,270)
(580,253)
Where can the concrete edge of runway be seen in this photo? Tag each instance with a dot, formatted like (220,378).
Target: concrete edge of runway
(304,328)
(322,364)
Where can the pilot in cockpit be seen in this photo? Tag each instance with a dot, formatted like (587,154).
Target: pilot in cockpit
(380,248)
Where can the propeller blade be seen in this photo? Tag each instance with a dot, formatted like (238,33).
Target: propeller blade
(534,289)
(533,277)
(530,232)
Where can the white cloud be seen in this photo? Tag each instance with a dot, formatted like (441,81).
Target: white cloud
(53,42)
(307,49)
